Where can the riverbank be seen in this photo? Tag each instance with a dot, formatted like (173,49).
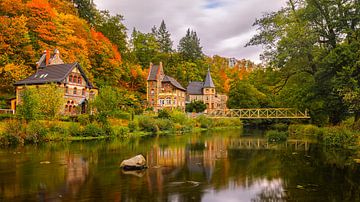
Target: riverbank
(85,127)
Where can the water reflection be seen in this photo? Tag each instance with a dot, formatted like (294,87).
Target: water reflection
(196,167)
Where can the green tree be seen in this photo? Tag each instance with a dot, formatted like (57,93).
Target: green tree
(162,36)
(29,106)
(302,38)
(52,100)
(189,46)
(144,47)
(244,95)
(195,106)
(87,10)
(113,28)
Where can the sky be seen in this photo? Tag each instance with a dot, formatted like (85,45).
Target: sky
(223,26)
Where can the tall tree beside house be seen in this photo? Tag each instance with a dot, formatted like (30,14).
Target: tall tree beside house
(144,47)
(189,46)
(29,108)
(162,36)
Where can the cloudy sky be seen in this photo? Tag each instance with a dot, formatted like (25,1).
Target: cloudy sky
(223,26)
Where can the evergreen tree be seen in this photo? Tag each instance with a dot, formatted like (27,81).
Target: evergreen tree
(189,46)
(163,38)
(87,10)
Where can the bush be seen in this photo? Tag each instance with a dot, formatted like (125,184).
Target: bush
(83,119)
(133,126)
(276,136)
(203,121)
(35,132)
(74,130)
(165,124)
(179,117)
(121,131)
(301,131)
(164,114)
(121,115)
(339,137)
(6,116)
(280,126)
(148,124)
(14,132)
(226,122)
(93,130)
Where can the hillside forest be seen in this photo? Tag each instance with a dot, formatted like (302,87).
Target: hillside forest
(311,54)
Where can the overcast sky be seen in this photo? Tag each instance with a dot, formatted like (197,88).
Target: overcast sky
(223,26)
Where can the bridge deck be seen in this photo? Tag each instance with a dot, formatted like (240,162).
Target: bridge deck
(260,113)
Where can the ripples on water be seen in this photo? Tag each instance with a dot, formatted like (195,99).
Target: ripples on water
(221,166)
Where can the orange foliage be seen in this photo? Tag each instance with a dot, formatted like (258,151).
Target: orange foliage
(11,8)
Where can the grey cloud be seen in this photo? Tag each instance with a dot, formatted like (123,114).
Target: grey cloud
(217,22)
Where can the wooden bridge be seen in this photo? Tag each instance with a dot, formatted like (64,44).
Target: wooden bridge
(260,113)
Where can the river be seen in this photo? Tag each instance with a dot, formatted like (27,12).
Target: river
(214,166)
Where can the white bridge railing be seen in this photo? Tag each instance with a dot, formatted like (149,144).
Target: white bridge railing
(260,113)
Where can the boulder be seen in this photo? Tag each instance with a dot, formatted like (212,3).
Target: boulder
(135,163)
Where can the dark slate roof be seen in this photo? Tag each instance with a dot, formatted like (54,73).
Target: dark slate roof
(173,82)
(208,81)
(53,73)
(153,71)
(195,88)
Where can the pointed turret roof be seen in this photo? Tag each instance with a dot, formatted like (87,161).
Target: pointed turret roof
(208,81)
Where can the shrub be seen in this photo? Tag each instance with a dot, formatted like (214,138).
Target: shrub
(280,126)
(226,122)
(165,124)
(83,119)
(35,132)
(164,114)
(133,126)
(308,130)
(276,136)
(203,121)
(121,131)
(14,132)
(338,137)
(121,115)
(93,130)
(148,124)
(74,130)
(6,116)
(179,117)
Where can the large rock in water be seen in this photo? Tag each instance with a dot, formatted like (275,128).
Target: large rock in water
(135,163)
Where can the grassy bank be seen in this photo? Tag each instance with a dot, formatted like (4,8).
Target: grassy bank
(345,135)
(84,127)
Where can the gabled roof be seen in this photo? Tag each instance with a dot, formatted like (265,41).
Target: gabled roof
(53,74)
(173,82)
(195,88)
(208,81)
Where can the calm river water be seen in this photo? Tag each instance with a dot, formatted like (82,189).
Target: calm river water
(218,166)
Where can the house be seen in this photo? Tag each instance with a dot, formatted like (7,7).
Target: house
(206,92)
(163,91)
(78,90)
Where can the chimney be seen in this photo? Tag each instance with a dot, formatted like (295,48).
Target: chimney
(47,57)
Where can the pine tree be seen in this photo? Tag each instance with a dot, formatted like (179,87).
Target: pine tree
(189,46)
(163,38)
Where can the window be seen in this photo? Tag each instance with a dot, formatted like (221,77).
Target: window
(168,101)
(75,91)
(70,78)
(83,91)
(79,80)
(66,90)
